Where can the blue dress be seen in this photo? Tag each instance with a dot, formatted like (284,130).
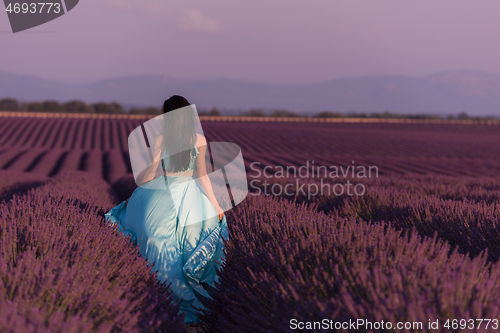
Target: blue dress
(176,227)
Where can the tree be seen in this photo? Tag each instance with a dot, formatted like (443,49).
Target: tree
(214,112)
(77,106)
(285,113)
(153,110)
(45,106)
(108,108)
(33,106)
(329,114)
(255,113)
(9,104)
(149,110)
(385,115)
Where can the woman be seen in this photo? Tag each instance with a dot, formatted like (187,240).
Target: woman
(175,218)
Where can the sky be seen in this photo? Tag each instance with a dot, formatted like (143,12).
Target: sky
(259,40)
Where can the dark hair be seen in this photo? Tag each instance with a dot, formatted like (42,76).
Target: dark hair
(179,134)
(175,102)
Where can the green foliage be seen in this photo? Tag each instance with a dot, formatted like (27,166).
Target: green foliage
(285,113)
(9,104)
(149,110)
(109,108)
(357,115)
(213,112)
(76,106)
(255,113)
(329,114)
(45,106)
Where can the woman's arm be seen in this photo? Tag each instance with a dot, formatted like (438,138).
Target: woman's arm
(149,174)
(202,177)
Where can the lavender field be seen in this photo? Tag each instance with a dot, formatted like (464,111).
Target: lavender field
(99,145)
(421,244)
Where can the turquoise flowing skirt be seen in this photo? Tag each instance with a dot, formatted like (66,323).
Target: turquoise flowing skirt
(176,227)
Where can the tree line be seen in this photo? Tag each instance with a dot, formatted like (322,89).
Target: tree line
(74,106)
(78,106)
(382,115)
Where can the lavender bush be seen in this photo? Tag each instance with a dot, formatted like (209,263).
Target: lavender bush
(15,182)
(463,211)
(287,261)
(81,186)
(65,267)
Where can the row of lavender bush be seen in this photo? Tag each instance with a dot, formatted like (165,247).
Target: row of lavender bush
(63,269)
(288,261)
(13,182)
(463,211)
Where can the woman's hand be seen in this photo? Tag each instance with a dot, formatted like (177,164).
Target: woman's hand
(220,212)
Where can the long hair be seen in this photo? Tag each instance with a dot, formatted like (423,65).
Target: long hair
(178,134)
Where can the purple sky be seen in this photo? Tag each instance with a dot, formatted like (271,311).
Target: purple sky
(263,40)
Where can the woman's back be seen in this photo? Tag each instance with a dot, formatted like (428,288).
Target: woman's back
(185,172)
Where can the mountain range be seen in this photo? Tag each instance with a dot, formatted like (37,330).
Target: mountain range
(477,93)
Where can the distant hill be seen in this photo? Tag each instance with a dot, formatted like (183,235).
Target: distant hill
(476,93)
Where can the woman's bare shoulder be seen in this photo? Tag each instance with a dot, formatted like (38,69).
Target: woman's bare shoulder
(200,141)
